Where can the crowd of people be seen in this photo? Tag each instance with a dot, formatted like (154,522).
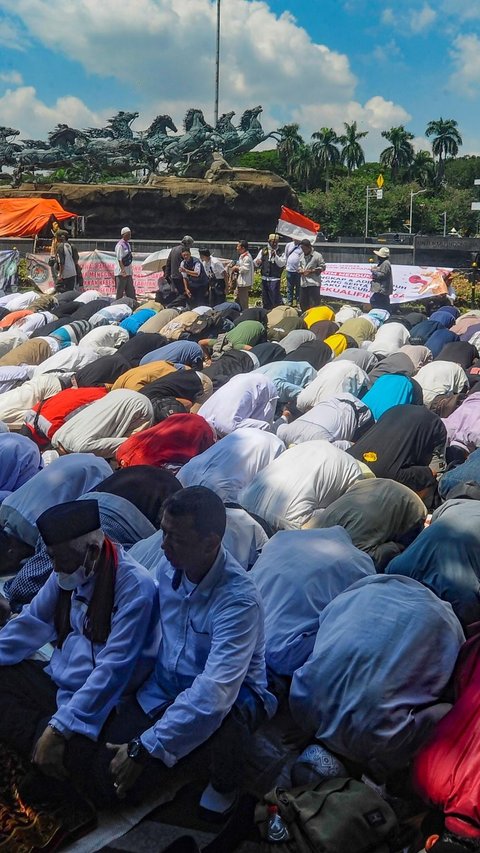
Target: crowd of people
(210,509)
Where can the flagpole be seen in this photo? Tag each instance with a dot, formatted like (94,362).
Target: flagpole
(217,64)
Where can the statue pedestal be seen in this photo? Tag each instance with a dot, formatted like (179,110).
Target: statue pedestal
(229,204)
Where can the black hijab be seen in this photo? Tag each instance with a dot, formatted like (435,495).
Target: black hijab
(133,350)
(401,444)
(104,371)
(182,384)
(316,353)
(145,486)
(269,352)
(84,312)
(258,314)
(229,364)
(459,352)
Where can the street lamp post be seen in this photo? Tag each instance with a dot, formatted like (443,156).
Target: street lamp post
(217,64)
(412,194)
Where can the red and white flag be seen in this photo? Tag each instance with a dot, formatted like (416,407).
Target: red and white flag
(296,226)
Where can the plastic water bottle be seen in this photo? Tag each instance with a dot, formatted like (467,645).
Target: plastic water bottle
(277,828)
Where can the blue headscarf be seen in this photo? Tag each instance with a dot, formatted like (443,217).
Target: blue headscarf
(445,318)
(437,341)
(389,390)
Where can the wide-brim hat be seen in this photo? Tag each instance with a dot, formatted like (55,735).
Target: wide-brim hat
(383,252)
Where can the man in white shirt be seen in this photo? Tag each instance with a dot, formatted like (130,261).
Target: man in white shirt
(123,266)
(216,276)
(311,267)
(293,256)
(245,270)
(270,264)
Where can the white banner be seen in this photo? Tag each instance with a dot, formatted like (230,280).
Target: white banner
(351,282)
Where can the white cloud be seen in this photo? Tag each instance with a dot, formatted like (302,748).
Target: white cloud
(22,109)
(375,115)
(410,21)
(461,10)
(12,77)
(465,56)
(11,36)
(422,143)
(165,50)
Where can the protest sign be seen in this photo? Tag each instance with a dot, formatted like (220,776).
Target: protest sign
(351,282)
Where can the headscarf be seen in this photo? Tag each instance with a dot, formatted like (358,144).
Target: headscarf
(437,341)
(321,312)
(390,390)
(230,363)
(441,377)
(13,317)
(104,371)
(132,351)
(357,511)
(137,377)
(463,426)
(361,357)
(322,329)
(460,352)
(446,557)
(231,464)
(337,343)
(159,320)
(466,321)
(332,381)
(178,352)
(317,353)
(130,523)
(400,446)
(260,315)
(181,384)
(293,340)
(104,425)
(277,315)
(420,333)
(145,486)
(20,460)
(172,442)
(347,312)
(418,355)
(360,329)
(337,420)
(396,363)
(104,340)
(445,317)
(246,397)
(132,324)
(389,338)
(65,479)
(281,329)
(86,310)
(269,352)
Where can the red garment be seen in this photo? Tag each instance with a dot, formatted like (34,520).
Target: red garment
(173,441)
(12,318)
(446,771)
(49,415)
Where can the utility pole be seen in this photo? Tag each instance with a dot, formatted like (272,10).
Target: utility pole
(217,65)
(444,217)
(412,194)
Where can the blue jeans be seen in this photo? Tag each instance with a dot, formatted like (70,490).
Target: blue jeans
(293,287)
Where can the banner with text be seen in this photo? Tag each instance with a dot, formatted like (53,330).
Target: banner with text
(98,273)
(351,282)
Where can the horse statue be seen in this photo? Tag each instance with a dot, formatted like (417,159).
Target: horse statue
(226,131)
(156,136)
(8,149)
(250,134)
(59,151)
(179,151)
(118,127)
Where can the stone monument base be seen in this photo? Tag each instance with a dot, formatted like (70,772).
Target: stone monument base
(228,204)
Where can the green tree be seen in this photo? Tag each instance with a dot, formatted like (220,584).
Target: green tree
(304,166)
(325,151)
(288,145)
(462,171)
(399,155)
(422,169)
(445,143)
(352,152)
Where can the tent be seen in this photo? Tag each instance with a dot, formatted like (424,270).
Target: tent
(25,217)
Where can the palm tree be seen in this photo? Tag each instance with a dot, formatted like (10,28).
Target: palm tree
(400,152)
(304,165)
(422,169)
(352,152)
(289,143)
(325,151)
(446,142)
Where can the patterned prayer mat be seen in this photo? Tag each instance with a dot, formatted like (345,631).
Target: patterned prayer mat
(36,827)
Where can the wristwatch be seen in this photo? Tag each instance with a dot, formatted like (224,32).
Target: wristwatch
(137,752)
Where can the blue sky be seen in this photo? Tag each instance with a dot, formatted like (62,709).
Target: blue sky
(318,62)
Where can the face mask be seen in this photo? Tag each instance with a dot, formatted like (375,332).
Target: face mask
(77,578)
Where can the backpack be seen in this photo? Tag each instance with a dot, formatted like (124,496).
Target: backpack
(335,816)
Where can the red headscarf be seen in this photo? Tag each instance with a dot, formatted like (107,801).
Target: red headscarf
(174,441)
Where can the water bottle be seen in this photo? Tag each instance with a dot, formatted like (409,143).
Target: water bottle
(277,828)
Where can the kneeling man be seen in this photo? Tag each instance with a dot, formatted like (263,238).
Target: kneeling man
(209,683)
(99,609)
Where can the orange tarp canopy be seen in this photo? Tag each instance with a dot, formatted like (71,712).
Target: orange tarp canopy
(25,217)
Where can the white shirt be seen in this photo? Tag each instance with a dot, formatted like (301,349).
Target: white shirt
(245,270)
(273,257)
(313,261)
(332,380)
(440,377)
(389,338)
(293,256)
(247,396)
(121,250)
(214,266)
